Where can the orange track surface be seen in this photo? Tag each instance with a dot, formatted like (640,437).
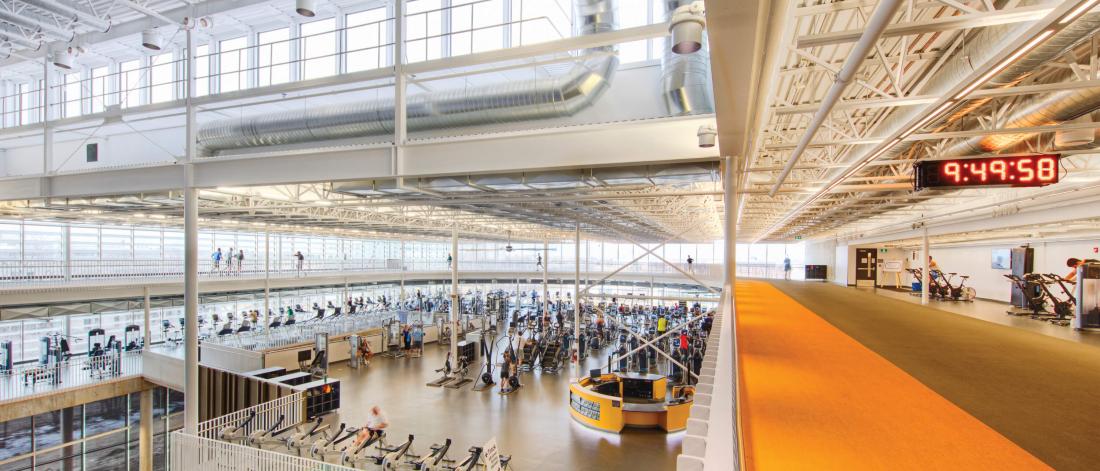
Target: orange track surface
(814,398)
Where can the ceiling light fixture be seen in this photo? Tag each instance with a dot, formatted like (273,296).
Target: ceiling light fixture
(150,38)
(686,27)
(1080,10)
(307,8)
(1005,63)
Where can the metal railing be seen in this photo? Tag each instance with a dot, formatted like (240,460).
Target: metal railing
(196,453)
(19,273)
(287,409)
(303,332)
(27,380)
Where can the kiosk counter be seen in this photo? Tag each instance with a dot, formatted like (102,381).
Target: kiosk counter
(612,402)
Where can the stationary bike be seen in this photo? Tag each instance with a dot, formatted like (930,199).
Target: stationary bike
(960,292)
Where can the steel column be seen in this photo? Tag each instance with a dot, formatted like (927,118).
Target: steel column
(191,259)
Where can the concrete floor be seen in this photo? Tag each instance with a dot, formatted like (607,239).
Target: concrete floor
(532,425)
(995,312)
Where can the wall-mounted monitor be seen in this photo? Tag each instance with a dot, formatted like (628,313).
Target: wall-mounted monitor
(1002,259)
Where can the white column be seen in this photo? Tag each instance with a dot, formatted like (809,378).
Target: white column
(191,260)
(267,279)
(47,130)
(148,334)
(577,294)
(925,275)
(731,227)
(545,276)
(402,268)
(67,239)
(454,293)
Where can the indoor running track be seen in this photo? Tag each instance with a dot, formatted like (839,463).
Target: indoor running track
(814,398)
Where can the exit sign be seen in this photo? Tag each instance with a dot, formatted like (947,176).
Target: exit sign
(797,237)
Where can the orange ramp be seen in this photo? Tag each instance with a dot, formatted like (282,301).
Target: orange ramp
(811,397)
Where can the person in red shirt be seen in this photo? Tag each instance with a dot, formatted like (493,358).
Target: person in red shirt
(683,341)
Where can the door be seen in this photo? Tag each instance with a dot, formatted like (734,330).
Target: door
(866,267)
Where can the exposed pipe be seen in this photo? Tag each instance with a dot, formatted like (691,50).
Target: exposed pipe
(874,28)
(148,11)
(977,51)
(30,22)
(539,98)
(685,78)
(77,15)
(17,39)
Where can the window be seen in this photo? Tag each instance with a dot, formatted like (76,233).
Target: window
(233,64)
(100,100)
(318,49)
(476,26)
(274,57)
(202,70)
(632,13)
(27,104)
(72,95)
(543,21)
(424,25)
(162,69)
(365,35)
(131,76)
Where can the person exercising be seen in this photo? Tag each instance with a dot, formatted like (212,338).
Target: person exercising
(1076,263)
(376,424)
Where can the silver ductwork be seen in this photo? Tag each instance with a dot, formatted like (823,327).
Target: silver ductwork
(539,98)
(685,78)
(686,88)
(976,52)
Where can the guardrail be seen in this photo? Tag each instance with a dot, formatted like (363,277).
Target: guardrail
(712,441)
(195,453)
(287,409)
(30,273)
(24,381)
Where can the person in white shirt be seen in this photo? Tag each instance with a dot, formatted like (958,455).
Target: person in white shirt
(376,423)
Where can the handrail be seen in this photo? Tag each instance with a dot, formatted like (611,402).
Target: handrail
(713,440)
(196,453)
(287,409)
(29,380)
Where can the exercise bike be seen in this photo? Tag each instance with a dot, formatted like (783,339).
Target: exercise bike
(1036,302)
(957,293)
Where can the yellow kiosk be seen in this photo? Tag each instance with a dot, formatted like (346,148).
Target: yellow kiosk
(615,401)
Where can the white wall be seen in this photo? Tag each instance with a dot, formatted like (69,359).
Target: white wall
(845,266)
(822,252)
(976,261)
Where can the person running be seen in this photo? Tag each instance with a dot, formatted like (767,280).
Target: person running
(538,264)
(300,261)
(1075,263)
(450,260)
(240,260)
(216,259)
(786,268)
(690,261)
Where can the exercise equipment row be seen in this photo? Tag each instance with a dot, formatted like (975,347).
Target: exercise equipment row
(358,448)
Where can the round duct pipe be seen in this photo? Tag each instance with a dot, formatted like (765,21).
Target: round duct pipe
(686,28)
(1075,137)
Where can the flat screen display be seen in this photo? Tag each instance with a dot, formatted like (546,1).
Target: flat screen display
(1002,259)
(1018,171)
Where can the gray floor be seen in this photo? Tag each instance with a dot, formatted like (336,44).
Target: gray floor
(994,311)
(532,425)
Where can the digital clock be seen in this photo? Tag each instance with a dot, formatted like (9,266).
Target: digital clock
(1019,171)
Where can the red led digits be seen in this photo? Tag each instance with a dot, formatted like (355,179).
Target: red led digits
(1017,171)
(1000,168)
(952,171)
(1047,170)
(1027,174)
